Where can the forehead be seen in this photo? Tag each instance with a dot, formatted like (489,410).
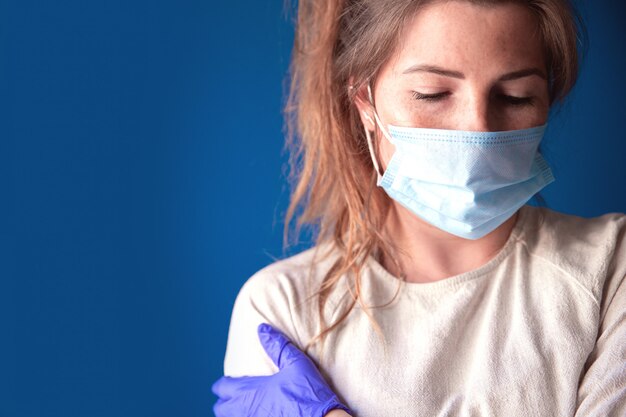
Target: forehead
(465,35)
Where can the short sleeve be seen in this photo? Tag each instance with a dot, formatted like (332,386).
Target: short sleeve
(602,389)
(265,298)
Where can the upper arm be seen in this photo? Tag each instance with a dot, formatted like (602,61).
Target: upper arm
(264,298)
(602,389)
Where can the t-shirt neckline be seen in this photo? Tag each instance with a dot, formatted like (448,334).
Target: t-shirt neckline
(515,236)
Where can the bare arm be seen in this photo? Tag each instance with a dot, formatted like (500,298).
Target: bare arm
(337,413)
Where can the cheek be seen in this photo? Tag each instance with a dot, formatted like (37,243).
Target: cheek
(513,119)
(431,117)
(427,114)
(413,113)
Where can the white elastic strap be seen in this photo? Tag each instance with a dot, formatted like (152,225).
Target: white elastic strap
(369,136)
(372,154)
(380,123)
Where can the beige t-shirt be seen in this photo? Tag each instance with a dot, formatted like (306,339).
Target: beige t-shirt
(539,330)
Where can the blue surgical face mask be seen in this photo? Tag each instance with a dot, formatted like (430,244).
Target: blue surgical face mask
(465,183)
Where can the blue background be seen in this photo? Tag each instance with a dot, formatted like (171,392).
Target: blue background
(142,182)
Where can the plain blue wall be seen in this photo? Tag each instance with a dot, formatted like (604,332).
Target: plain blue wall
(141,177)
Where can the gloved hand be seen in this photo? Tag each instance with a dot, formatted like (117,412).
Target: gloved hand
(297,389)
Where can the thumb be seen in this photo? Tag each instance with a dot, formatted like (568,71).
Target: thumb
(277,346)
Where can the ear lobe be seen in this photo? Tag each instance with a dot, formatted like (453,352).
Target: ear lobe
(365,108)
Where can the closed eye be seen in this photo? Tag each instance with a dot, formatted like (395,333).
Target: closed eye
(510,100)
(430,97)
(517,101)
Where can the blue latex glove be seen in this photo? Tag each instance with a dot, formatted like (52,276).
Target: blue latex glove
(297,389)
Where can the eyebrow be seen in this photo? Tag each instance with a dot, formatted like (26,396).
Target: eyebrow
(433,69)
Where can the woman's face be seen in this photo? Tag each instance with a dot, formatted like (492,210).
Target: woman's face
(464,67)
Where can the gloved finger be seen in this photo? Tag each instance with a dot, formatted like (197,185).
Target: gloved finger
(254,404)
(228,408)
(228,387)
(278,347)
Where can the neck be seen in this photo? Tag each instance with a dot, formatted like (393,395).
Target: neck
(425,253)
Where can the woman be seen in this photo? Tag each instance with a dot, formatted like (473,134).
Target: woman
(433,290)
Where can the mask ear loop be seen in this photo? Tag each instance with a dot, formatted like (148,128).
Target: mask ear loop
(368,134)
(381,126)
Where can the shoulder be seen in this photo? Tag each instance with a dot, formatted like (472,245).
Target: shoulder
(284,292)
(296,274)
(279,295)
(573,236)
(591,250)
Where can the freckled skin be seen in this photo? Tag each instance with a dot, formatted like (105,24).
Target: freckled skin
(483,44)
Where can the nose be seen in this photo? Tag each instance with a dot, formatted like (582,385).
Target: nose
(475,115)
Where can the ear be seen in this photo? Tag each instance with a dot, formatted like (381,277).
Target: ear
(365,107)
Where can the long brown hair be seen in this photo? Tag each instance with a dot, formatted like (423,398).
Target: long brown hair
(343,42)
